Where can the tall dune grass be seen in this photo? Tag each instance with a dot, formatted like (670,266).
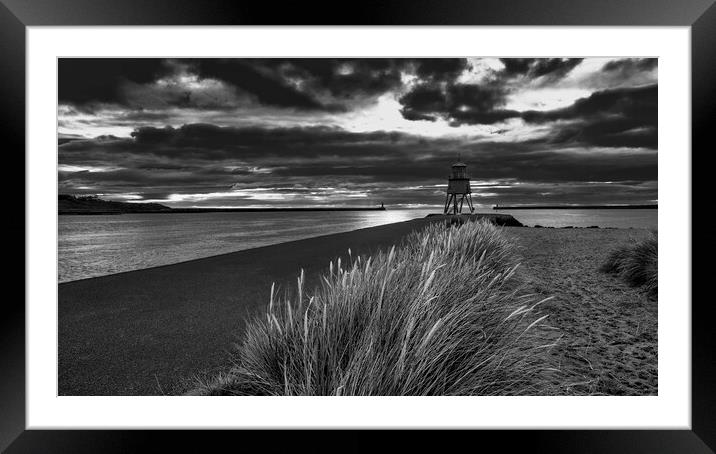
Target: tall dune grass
(637,264)
(439,315)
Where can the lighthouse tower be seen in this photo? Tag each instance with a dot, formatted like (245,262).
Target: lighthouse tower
(458,190)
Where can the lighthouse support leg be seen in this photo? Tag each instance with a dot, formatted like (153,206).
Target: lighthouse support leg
(448,202)
(469,203)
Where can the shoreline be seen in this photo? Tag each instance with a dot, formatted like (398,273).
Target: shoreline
(256,248)
(148,331)
(429,217)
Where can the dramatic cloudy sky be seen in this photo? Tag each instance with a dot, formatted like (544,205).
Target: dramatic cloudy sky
(340,132)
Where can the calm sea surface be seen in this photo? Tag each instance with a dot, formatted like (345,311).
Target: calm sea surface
(90,246)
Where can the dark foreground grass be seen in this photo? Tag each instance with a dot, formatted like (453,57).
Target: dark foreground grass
(439,315)
(637,264)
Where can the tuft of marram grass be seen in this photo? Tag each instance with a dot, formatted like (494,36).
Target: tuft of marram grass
(439,315)
(637,264)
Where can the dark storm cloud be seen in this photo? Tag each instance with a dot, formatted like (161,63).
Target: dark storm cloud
(341,78)
(553,68)
(625,117)
(101,80)
(425,102)
(478,97)
(251,77)
(629,66)
(311,84)
(620,73)
(344,78)
(321,150)
(440,69)
(325,83)
(459,103)
(483,103)
(231,152)
(206,158)
(247,140)
(65,138)
(637,102)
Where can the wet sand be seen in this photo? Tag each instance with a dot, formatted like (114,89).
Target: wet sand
(148,332)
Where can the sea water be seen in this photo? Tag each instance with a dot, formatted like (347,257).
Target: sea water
(96,245)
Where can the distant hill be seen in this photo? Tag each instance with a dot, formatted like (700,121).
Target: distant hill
(70,204)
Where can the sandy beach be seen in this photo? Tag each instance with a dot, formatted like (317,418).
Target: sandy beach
(609,329)
(148,332)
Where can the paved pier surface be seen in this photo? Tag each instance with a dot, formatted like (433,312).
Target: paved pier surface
(139,332)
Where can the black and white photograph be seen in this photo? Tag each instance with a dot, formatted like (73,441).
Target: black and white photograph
(439,223)
(357,226)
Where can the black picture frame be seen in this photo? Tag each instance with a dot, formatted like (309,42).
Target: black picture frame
(700,15)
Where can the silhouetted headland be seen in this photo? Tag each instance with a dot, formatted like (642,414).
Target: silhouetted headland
(69,204)
(87,205)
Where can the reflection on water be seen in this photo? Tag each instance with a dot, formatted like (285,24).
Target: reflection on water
(91,246)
